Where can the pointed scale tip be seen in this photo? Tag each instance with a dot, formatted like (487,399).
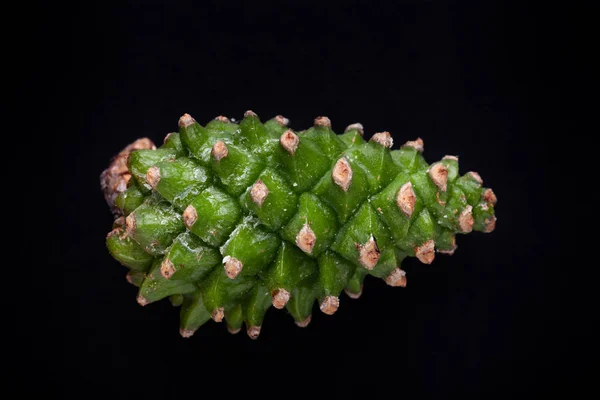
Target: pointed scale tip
(489,197)
(289,141)
(280,297)
(450,251)
(323,121)
(306,239)
(218,314)
(167,269)
(466,220)
(186,120)
(439,175)
(259,192)
(304,323)
(249,113)
(219,150)
(222,118)
(490,224)
(406,199)
(330,305)
(416,144)
(356,126)
(130,224)
(281,120)
(253,332)
(233,331)
(368,254)
(426,252)
(142,301)
(383,138)
(186,333)
(190,215)
(342,174)
(354,295)
(153,176)
(232,266)
(396,278)
(476,177)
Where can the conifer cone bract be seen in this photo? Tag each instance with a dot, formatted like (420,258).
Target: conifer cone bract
(227,219)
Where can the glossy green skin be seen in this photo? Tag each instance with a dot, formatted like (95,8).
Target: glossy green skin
(263,236)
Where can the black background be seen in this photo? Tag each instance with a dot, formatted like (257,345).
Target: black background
(464,76)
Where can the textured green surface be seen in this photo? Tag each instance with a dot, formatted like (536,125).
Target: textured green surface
(229,219)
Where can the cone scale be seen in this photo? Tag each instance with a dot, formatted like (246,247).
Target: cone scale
(230,220)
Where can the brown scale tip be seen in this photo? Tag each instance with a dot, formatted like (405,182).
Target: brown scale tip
(356,126)
(466,220)
(289,141)
(406,199)
(153,176)
(186,333)
(142,301)
(222,118)
(416,144)
(190,215)
(426,252)
(323,121)
(119,222)
(304,323)
(306,239)
(232,266)
(167,269)
(439,175)
(114,179)
(330,305)
(233,331)
(130,223)
(369,254)
(259,192)
(116,231)
(249,113)
(280,298)
(476,177)
(490,224)
(219,150)
(383,138)
(186,120)
(281,120)
(354,295)
(396,278)
(453,158)
(168,136)
(451,251)
(128,277)
(218,314)
(253,332)
(342,174)
(489,197)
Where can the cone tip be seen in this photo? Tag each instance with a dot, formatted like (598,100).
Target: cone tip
(186,120)
(323,121)
(417,144)
(354,295)
(426,252)
(384,139)
(356,126)
(253,332)
(304,323)
(186,333)
(280,298)
(330,305)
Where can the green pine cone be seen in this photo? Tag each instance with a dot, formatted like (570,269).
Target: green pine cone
(227,220)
